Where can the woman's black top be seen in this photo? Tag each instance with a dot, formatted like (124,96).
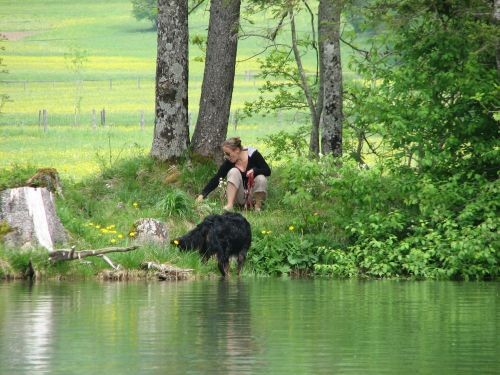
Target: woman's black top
(255,162)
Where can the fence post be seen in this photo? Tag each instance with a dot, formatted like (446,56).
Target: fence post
(45,122)
(94,122)
(103,117)
(142,120)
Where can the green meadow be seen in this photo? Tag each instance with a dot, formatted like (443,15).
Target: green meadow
(115,72)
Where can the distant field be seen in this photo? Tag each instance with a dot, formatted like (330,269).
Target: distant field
(117,75)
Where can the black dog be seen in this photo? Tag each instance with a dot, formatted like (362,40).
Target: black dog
(227,235)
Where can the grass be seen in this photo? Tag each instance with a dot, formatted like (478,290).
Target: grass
(117,75)
(105,170)
(99,211)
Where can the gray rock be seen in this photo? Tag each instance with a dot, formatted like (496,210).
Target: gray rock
(150,231)
(31,215)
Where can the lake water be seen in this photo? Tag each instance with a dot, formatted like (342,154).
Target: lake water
(250,326)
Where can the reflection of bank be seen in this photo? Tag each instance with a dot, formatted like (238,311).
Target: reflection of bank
(26,334)
(231,348)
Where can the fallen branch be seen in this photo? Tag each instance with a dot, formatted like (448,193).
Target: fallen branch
(71,254)
(167,271)
(107,260)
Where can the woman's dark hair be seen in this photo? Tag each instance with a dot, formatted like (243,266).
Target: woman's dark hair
(233,143)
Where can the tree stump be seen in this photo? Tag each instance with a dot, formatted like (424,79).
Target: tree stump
(31,217)
(150,231)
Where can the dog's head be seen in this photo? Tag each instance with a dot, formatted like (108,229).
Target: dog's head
(196,238)
(192,240)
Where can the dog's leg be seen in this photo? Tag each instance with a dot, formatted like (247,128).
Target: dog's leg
(241,260)
(223,264)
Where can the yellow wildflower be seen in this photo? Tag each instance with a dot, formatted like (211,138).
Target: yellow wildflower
(291,227)
(132,234)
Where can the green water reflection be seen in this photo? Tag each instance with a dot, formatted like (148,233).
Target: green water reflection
(250,326)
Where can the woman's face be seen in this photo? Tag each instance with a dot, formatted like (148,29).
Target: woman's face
(231,154)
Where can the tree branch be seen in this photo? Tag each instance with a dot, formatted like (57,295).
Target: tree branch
(71,254)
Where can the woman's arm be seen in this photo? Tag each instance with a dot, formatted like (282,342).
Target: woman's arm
(259,164)
(214,181)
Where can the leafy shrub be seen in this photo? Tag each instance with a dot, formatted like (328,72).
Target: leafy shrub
(335,263)
(281,254)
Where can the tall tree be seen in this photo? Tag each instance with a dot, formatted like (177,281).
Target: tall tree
(329,41)
(306,87)
(218,78)
(293,86)
(171,133)
(436,98)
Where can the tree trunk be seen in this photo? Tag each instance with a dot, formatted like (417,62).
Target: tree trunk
(329,39)
(29,215)
(218,79)
(171,134)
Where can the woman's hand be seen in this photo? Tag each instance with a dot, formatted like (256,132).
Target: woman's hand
(250,173)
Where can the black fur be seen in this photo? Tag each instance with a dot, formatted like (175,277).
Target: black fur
(227,235)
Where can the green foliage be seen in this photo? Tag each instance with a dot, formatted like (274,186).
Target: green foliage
(435,229)
(282,88)
(284,145)
(435,97)
(281,254)
(146,10)
(15,175)
(335,263)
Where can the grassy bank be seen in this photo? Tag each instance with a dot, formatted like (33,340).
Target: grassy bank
(99,212)
(320,220)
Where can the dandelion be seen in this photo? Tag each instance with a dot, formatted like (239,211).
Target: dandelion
(269,232)
(97,226)
(176,242)
(104,230)
(112,240)
(131,234)
(263,232)
(120,236)
(291,228)
(135,204)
